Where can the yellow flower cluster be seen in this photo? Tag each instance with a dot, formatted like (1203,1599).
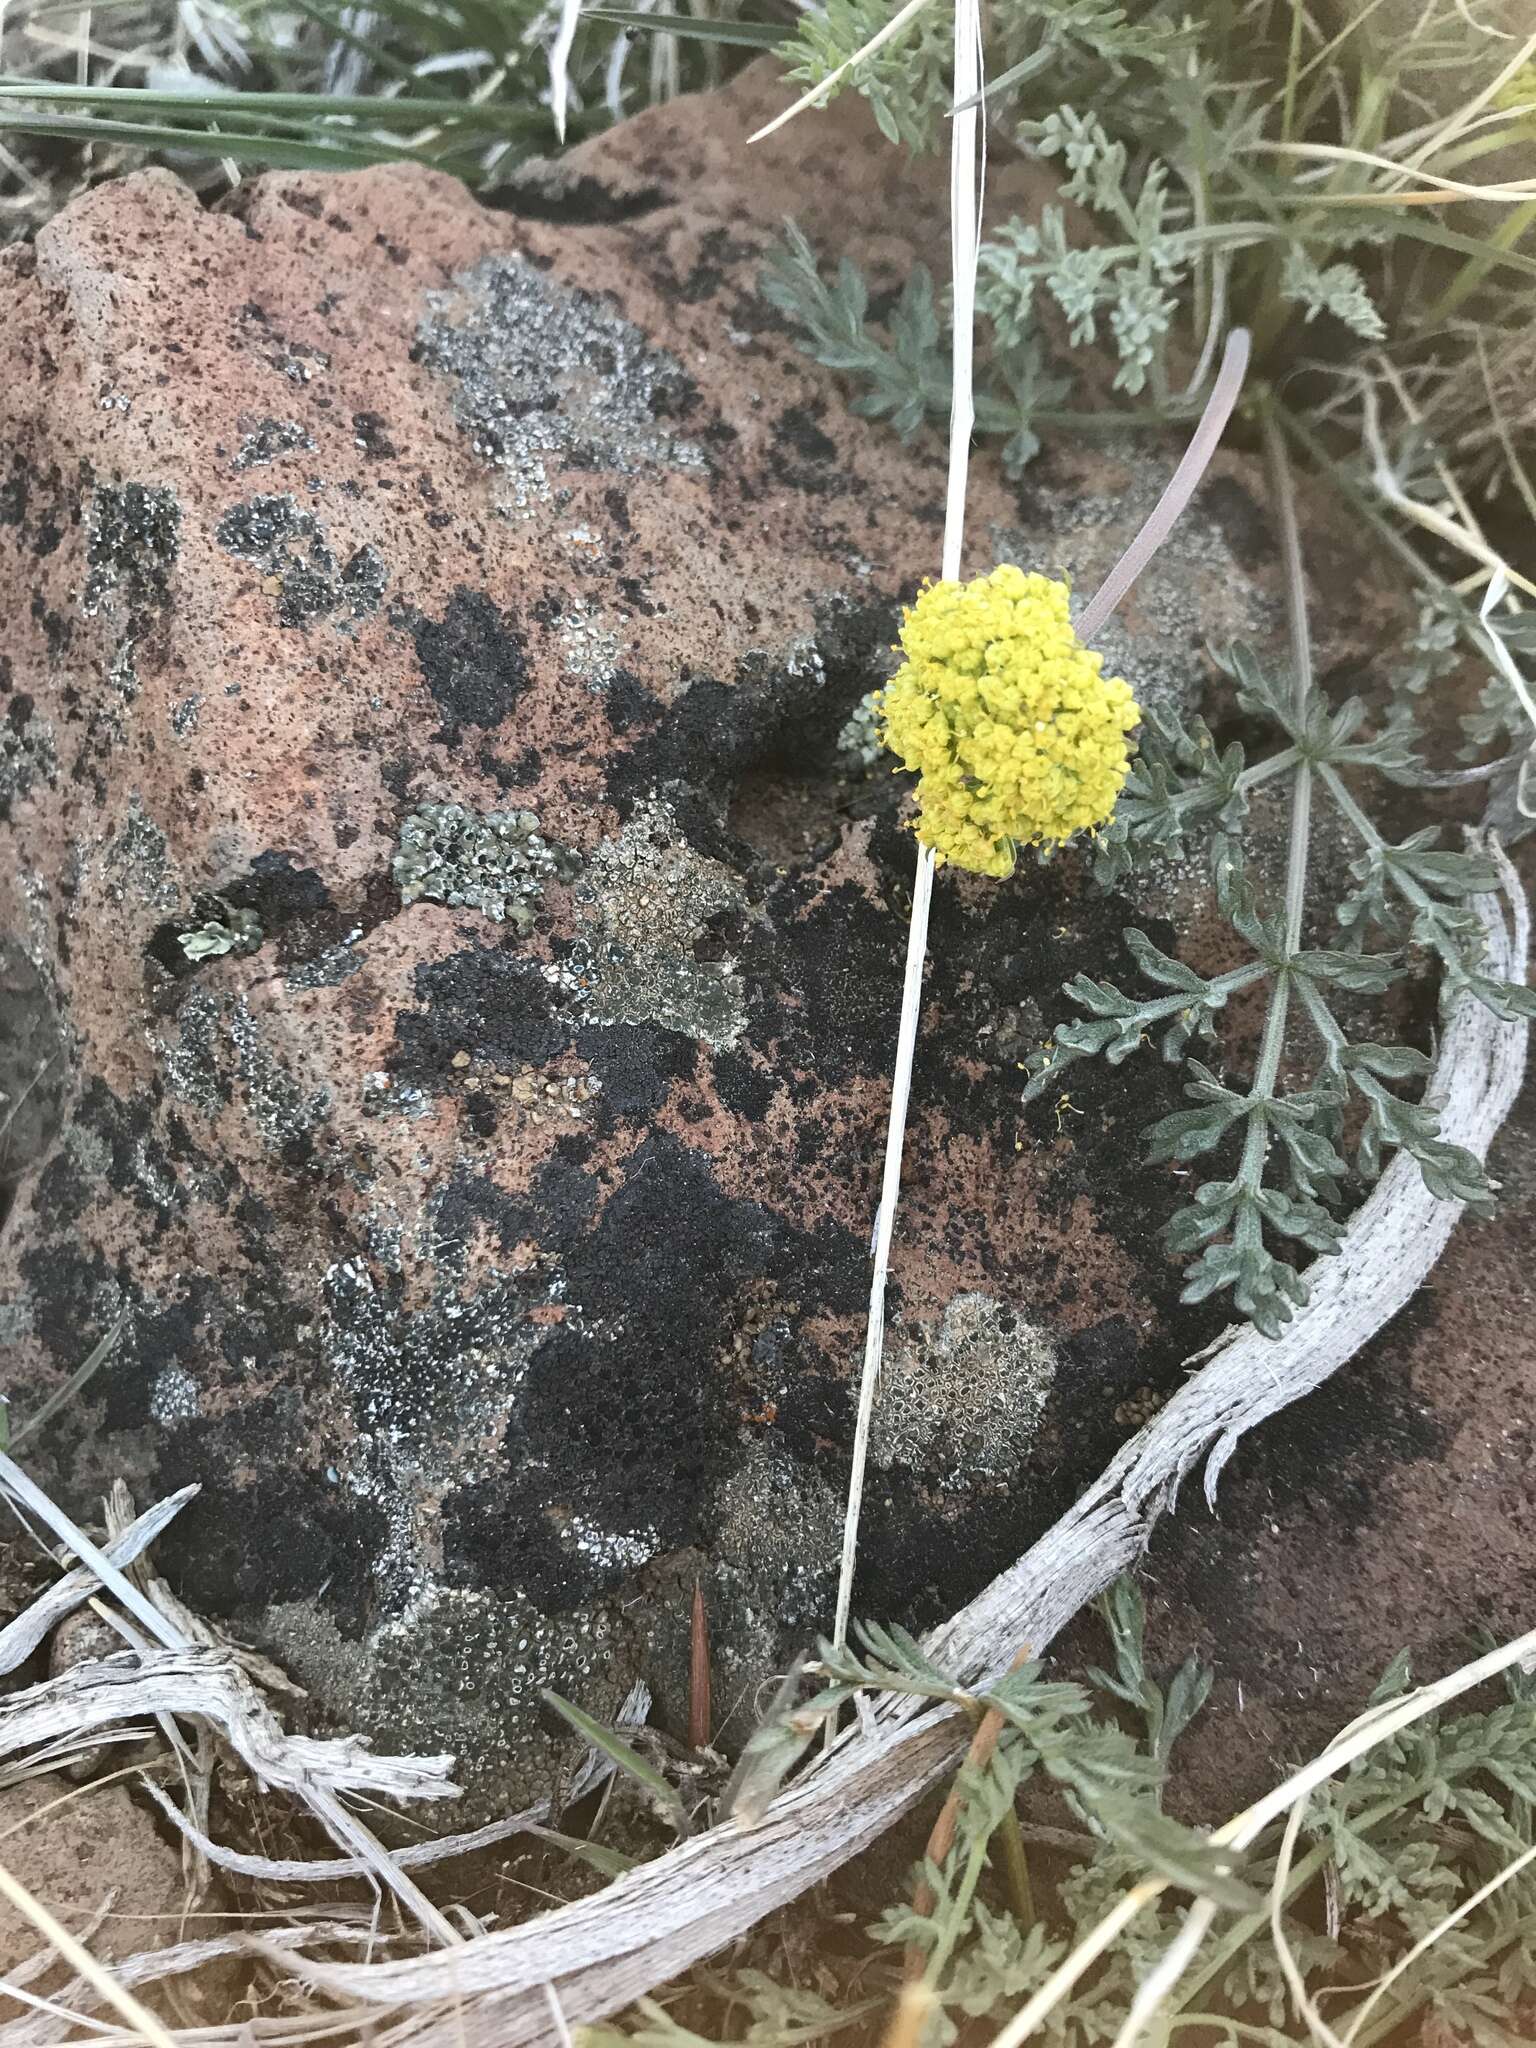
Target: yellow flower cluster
(1004,714)
(1519,90)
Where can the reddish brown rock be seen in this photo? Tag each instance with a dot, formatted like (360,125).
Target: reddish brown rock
(498,1274)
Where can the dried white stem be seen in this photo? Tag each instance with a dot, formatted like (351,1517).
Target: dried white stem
(328,1869)
(322,1800)
(560,63)
(1171,1965)
(1181,487)
(19,1638)
(964,235)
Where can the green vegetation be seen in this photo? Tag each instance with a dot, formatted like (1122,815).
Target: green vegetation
(219,90)
(1384,1853)
(1253,172)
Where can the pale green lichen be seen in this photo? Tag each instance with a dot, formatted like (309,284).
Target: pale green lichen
(859,744)
(964,1402)
(232,931)
(644,905)
(496,862)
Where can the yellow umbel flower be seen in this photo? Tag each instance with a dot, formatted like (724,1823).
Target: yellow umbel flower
(1518,90)
(1017,736)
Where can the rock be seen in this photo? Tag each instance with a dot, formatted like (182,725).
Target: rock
(433,629)
(77,1849)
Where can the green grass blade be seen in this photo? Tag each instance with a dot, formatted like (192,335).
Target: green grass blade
(597,1855)
(328,19)
(280,152)
(746,35)
(619,1753)
(302,107)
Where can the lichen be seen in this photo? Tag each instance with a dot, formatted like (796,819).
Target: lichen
(290,546)
(776,1545)
(227,930)
(279,1107)
(174,1397)
(328,969)
(136,860)
(964,1402)
(385,1097)
(643,906)
(550,376)
(492,861)
(27,753)
(132,542)
(589,649)
(465,1670)
(192,1066)
(858,744)
(269,439)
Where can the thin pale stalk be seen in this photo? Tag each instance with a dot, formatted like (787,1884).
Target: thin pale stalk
(1180,489)
(77,1380)
(1171,1965)
(560,63)
(964,223)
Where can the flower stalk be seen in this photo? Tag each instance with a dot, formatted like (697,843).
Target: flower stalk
(1159,524)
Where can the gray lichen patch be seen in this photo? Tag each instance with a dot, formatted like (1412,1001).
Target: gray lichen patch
(132,540)
(642,908)
(267,440)
(27,753)
(429,1394)
(328,969)
(136,860)
(589,648)
(780,1529)
(430,1389)
(218,1049)
(175,1397)
(290,546)
(550,377)
(964,1403)
(193,1067)
(464,1670)
(279,1107)
(493,861)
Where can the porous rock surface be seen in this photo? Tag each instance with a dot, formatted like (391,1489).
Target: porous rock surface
(452,614)
(94,1859)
